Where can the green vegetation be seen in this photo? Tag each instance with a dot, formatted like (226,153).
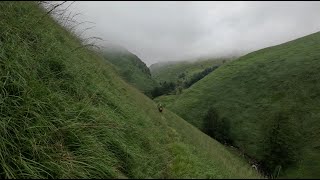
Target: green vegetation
(197,76)
(166,99)
(181,70)
(216,127)
(131,68)
(280,145)
(190,73)
(65,113)
(271,98)
(164,88)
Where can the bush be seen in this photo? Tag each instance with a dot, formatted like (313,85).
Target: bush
(164,88)
(279,145)
(217,127)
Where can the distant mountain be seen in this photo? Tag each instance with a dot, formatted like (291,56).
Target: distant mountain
(130,67)
(182,70)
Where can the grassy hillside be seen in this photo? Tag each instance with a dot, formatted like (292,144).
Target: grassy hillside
(167,100)
(64,113)
(131,68)
(174,77)
(271,99)
(180,70)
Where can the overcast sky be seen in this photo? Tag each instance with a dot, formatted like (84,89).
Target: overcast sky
(164,31)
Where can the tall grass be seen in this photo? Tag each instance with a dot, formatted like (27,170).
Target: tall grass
(64,113)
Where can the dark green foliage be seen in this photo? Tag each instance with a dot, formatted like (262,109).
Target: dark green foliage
(171,87)
(198,76)
(182,70)
(210,122)
(280,146)
(216,127)
(182,75)
(164,88)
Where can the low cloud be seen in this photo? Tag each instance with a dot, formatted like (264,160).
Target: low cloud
(164,31)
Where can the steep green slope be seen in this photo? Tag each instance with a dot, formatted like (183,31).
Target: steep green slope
(184,74)
(64,113)
(131,68)
(167,100)
(181,70)
(271,97)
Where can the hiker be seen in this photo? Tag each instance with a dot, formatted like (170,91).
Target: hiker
(160,108)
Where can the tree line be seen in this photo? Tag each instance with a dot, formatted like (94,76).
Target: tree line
(166,88)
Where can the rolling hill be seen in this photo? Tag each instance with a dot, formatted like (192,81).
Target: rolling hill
(271,99)
(65,113)
(174,77)
(181,70)
(131,68)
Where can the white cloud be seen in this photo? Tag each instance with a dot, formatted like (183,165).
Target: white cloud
(162,31)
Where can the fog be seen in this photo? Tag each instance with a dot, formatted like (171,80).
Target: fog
(165,31)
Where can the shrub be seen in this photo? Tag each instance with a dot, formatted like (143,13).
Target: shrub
(279,146)
(164,88)
(217,127)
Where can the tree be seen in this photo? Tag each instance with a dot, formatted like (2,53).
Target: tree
(210,122)
(182,75)
(217,127)
(225,131)
(279,146)
(164,88)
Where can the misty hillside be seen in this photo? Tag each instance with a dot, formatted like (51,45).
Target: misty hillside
(181,70)
(174,77)
(131,68)
(65,113)
(268,103)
